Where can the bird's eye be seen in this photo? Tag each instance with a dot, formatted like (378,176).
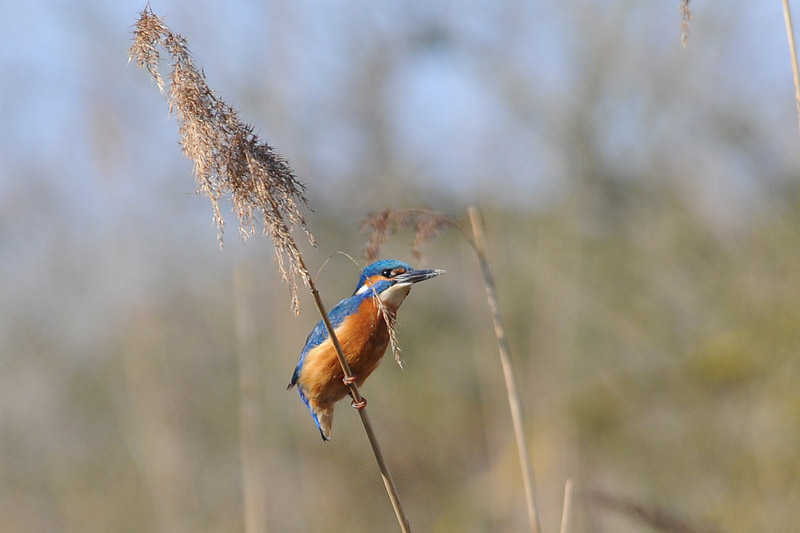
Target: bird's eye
(390,273)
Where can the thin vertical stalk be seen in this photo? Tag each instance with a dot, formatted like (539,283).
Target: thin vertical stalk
(514,402)
(566,514)
(386,475)
(253,484)
(787,17)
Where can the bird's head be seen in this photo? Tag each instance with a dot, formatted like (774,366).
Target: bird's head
(392,280)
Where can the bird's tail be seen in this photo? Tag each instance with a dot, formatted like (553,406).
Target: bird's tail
(321,413)
(323,416)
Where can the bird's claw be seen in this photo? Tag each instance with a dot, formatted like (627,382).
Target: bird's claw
(359,405)
(349,380)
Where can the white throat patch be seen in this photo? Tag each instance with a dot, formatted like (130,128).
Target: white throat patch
(394,295)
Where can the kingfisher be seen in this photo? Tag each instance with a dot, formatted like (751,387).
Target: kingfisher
(363,334)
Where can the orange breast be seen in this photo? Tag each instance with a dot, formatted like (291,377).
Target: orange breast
(364,338)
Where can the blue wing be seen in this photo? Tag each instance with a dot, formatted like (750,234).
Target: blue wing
(319,334)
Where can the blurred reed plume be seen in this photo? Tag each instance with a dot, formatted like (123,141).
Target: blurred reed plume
(229,159)
(426,223)
(686,16)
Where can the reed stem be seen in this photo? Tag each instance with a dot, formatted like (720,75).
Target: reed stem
(514,402)
(787,17)
(386,475)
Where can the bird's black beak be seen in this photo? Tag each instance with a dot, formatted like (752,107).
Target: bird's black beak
(414,276)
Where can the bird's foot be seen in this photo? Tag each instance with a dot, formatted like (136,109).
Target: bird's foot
(349,380)
(359,405)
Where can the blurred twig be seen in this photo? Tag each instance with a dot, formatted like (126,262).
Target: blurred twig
(654,517)
(229,159)
(787,17)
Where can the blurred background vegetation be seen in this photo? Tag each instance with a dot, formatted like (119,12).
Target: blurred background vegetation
(642,205)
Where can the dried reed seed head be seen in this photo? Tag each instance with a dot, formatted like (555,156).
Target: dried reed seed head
(144,50)
(426,223)
(391,321)
(228,157)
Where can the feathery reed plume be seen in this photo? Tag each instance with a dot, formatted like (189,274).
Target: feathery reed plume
(427,224)
(656,518)
(787,18)
(686,16)
(229,159)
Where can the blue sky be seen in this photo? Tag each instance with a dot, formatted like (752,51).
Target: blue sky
(472,94)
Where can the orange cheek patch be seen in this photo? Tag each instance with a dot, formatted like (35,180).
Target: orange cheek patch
(372,280)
